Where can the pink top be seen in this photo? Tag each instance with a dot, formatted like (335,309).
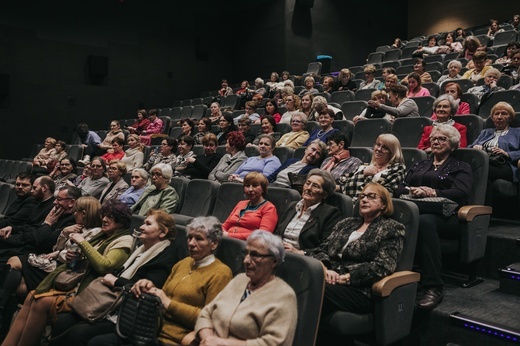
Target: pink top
(422,92)
(265,217)
(155,126)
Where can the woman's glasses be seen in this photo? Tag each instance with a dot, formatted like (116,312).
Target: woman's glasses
(372,196)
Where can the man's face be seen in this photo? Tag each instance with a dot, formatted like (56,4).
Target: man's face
(38,190)
(23,187)
(64,202)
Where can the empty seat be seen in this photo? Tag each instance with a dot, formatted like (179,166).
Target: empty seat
(433,88)
(175,113)
(366,131)
(404,69)
(230,102)
(510,96)
(408,51)
(352,108)
(409,130)
(474,125)
(434,66)
(472,100)
(199,111)
(465,84)
(383,48)
(505,81)
(165,112)
(342,96)
(75,151)
(505,37)
(313,68)
(166,124)
(344,126)
(425,104)
(392,55)
(283,153)
(434,57)
(179,184)
(435,75)
(393,64)
(196,101)
(186,112)
(375,57)
(185,103)
(231,252)
(199,200)
(228,195)
(413,155)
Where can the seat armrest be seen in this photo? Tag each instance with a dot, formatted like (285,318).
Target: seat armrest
(386,285)
(158,135)
(468,212)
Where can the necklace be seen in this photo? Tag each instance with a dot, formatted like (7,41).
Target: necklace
(437,165)
(321,133)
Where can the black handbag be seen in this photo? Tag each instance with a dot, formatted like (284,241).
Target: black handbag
(139,318)
(497,160)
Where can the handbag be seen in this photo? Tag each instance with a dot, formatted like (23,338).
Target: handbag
(139,318)
(497,160)
(70,278)
(95,301)
(297,181)
(433,205)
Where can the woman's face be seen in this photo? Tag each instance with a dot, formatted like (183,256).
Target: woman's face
(158,179)
(515,60)
(345,78)
(184,148)
(325,120)
(412,84)
(285,76)
(214,108)
(96,169)
(266,126)
(265,147)
(58,148)
(389,82)
(210,147)
(243,85)
(334,148)
(253,192)
(370,203)
(452,90)
(140,116)
(109,225)
(65,167)
(199,245)
(114,172)
(229,148)
(117,147)
(114,126)
(186,128)
(313,192)
(79,216)
(382,153)
(289,103)
(306,102)
(381,98)
(259,264)
(269,107)
(132,142)
(418,67)
(48,144)
(249,110)
(273,78)
(479,65)
(153,117)
(151,233)
(201,126)
(490,78)
(137,181)
(369,76)
(440,143)
(394,99)
(453,70)
(223,124)
(501,118)
(165,148)
(449,38)
(309,84)
(443,111)
(432,42)
(297,124)
(494,26)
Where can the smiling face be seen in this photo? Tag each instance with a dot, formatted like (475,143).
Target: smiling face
(258,268)
(501,118)
(186,128)
(382,153)
(313,192)
(201,126)
(297,124)
(132,142)
(65,167)
(443,111)
(266,126)
(199,245)
(151,232)
(64,202)
(371,205)
(325,120)
(306,102)
(184,148)
(165,148)
(210,147)
(265,147)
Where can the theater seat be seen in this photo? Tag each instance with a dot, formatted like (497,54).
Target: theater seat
(199,200)
(351,109)
(409,130)
(179,184)
(366,131)
(228,195)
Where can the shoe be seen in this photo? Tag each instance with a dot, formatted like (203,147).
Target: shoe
(85,161)
(431,299)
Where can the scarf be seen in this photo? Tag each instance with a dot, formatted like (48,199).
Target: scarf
(335,159)
(141,256)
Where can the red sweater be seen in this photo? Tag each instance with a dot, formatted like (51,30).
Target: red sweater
(264,218)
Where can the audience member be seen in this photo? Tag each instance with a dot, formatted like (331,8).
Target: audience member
(165,153)
(134,155)
(491,78)
(325,120)
(64,171)
(45,154)
(185,151)
(244,126)
(90,142)
(115,132)
(514,66)
(505,59)
(20,208)
(265,163)
(271,108)
(250,113)
(414,86)
(455,91)
(156,126)
(215,112)
(117,185)
(419,67)
(339,162)
(345,81)
(267,127)
(204,128)
(379,96)
(401,105)
(479,59)
(309,86)
(470,45)
(319,104)
(328,85)
(226,126)
(292,104)
(234,157)
(140,124)
(298,135)
(306,104)
(200,166)
(370,82)
(138,181)
(187,128)
(493,29)
(225,90)
(454,68)
(117,151)
(94,184)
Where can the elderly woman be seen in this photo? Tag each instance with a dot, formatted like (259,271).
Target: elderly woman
(454,90)
(155,126)
(226,125)
(414,86)
(359,251)
(115,132)
(140,124)
(138,181)
(185,152)
(187,126)
(259,88)
(306,104)
(308,82)
(292,104)
(134,155)
(502,142)
(454,68)
(319,103)
(370,82)
(60,152)
(267,127)
(160,195)
(116,170)
(445,107)
(233,158)
(370,112)
(298,135)
(273,80)
(151,261)
(480,69)
(215,112)
(165,153)
(401,106)
(117,151)
(325,120)
(199,167)
(203,127)
(345,81)
(339,162)
(386,168)
(328,85)
(256,318)
(491,78)
(265,163)
(45,153)
(440,176)
(64,171)
(390,79)
(105,252)
(307,223)
(94,184)
(253,213)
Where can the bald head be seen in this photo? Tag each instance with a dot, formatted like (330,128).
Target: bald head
(43,188)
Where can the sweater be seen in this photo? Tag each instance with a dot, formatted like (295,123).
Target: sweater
(165,199)
(240,227)
(133,159)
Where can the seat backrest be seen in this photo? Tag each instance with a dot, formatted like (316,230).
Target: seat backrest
(366,131)
(433,88)
(198,111)
(364,94)
(425,105)
(283,153)
(434,58)
(342,96)
(472,100)
(474,125)
(175,132)
(175,113)
(6,191)
(314,68)
(231,102)
(343,203)
(252,151)
(434,66)
(165,112)
(186,112)
(409,130)
(375,57)
(199,197)
(344,126)
(351,109)
(392,55)
(323,94)
(362,153)
(465,84)
(307,278)
(404,69)
(231,252)
(510,96)
(75,151)
(413,155)
(281,197)
(407,213)
(479,162)
(505,81)
(228,195)
(179,184)
(101,133)
(166,120)
(505,37)
(186,102)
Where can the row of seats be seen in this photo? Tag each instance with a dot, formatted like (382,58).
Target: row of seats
(9,169)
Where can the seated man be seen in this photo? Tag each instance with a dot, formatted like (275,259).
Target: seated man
(314,155)
(244,125)
(20,209)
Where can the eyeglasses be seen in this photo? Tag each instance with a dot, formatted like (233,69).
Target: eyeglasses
(296,121)
(135,177)
(372,196)
(383,147)
(59,199)
(156,174)
(255,256)
(439,139)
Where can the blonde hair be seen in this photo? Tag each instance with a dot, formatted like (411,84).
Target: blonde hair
(394,145)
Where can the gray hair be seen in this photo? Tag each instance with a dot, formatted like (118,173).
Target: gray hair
(322,146)
(493,71)
(450,132)
(166,170)
(319,99)
(454,105)
(329,184)
(302,116)
(309,78)
(289,83)
(272,242)
(259,80)
(142,173)
(209,225)
(456,63)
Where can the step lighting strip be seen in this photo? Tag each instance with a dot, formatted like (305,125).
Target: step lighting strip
(482,327)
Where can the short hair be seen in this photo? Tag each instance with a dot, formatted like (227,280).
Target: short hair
(187,121)
(416,76)
(166,170)
(421,61)
(140,145)
(479,56)
(172,142)
(72,191)
(46,180)
(286,73)
(143,112)
(492,71)
(207,122)
(236,139)
(210,137)
(187,139)
(269,137)
(25,175)
(289,84)
(224,81)
(338,137)
(399,90)
(432,37)
(329,184)
(275,74)
(302,116)
(153,111)
(384,195)
(452,133)
(327,111)
(456,85)
(165,222)
(389,70)
(61,144)
(116,122)
(369,68)
(142,173)
(345,72)
(456,63)
(296,98)
(52,140)
(270,119)
(252,104)
(259,80)
(394,145)
(118,211)
(376,93)
(393,77)
(72,162)
(329,78)
(272,243)
(257,178)
(454,105)
(119,141)
(512,44)
(322,146)
(102,161)
(507,107)
(309,78)
(245,120)
(275,105)
(120,165)
(92,208)
(209,225)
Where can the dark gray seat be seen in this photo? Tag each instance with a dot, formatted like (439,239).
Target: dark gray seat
(343,203)
(228,195)
(351,109)
(409,130)
(281,197)
(425,104)
(342,96)
(366,131)
(413,155)
(510,96)
(364,94)
(179,184)
(474,125)
(364,154)
(199,200)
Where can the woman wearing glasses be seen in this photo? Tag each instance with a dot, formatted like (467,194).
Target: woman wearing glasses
(386,168)
(94,184)
(440,176)
(360,251)
(370,82)
(298,135)
(165,153)
(292,104)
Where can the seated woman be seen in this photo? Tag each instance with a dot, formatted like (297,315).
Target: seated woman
(187,128)
(203,127)
(115,132)
(339,162)
(116,170)
(292,104)
(298,135)
(64,171)
(506,58)
(140,124)
(226,126)
(370,82)
(514,66)
(386,168)
(480,69)
(138,182)
(60,152)
(45,153)
(430,48)
(308,82)
(256,318)
(401,105)
(445,107)
(345,81)
(160,195)
(94,184)
(134,155)
(165,153)
(242,91)
(306,104)
(454,90)
(273,81)
(319,103)
(469,47)
(371,112)
(267,127)
(117,151)
(306,224)
(151,261)
(449,45)
(360,251)
(314,154)
(440,176)
(454,68)
(258,89)
(265,163)
(233,158)
(185,152)
(105,252)
(200,166)
(398,43)
(271,108)
(325,119)
(414,86)
(328,85)
(155,126)
(215,112)
(491,78)
(390,79)
(419,67)
(494,29)
(225,90)
(253,213)
(504,141)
